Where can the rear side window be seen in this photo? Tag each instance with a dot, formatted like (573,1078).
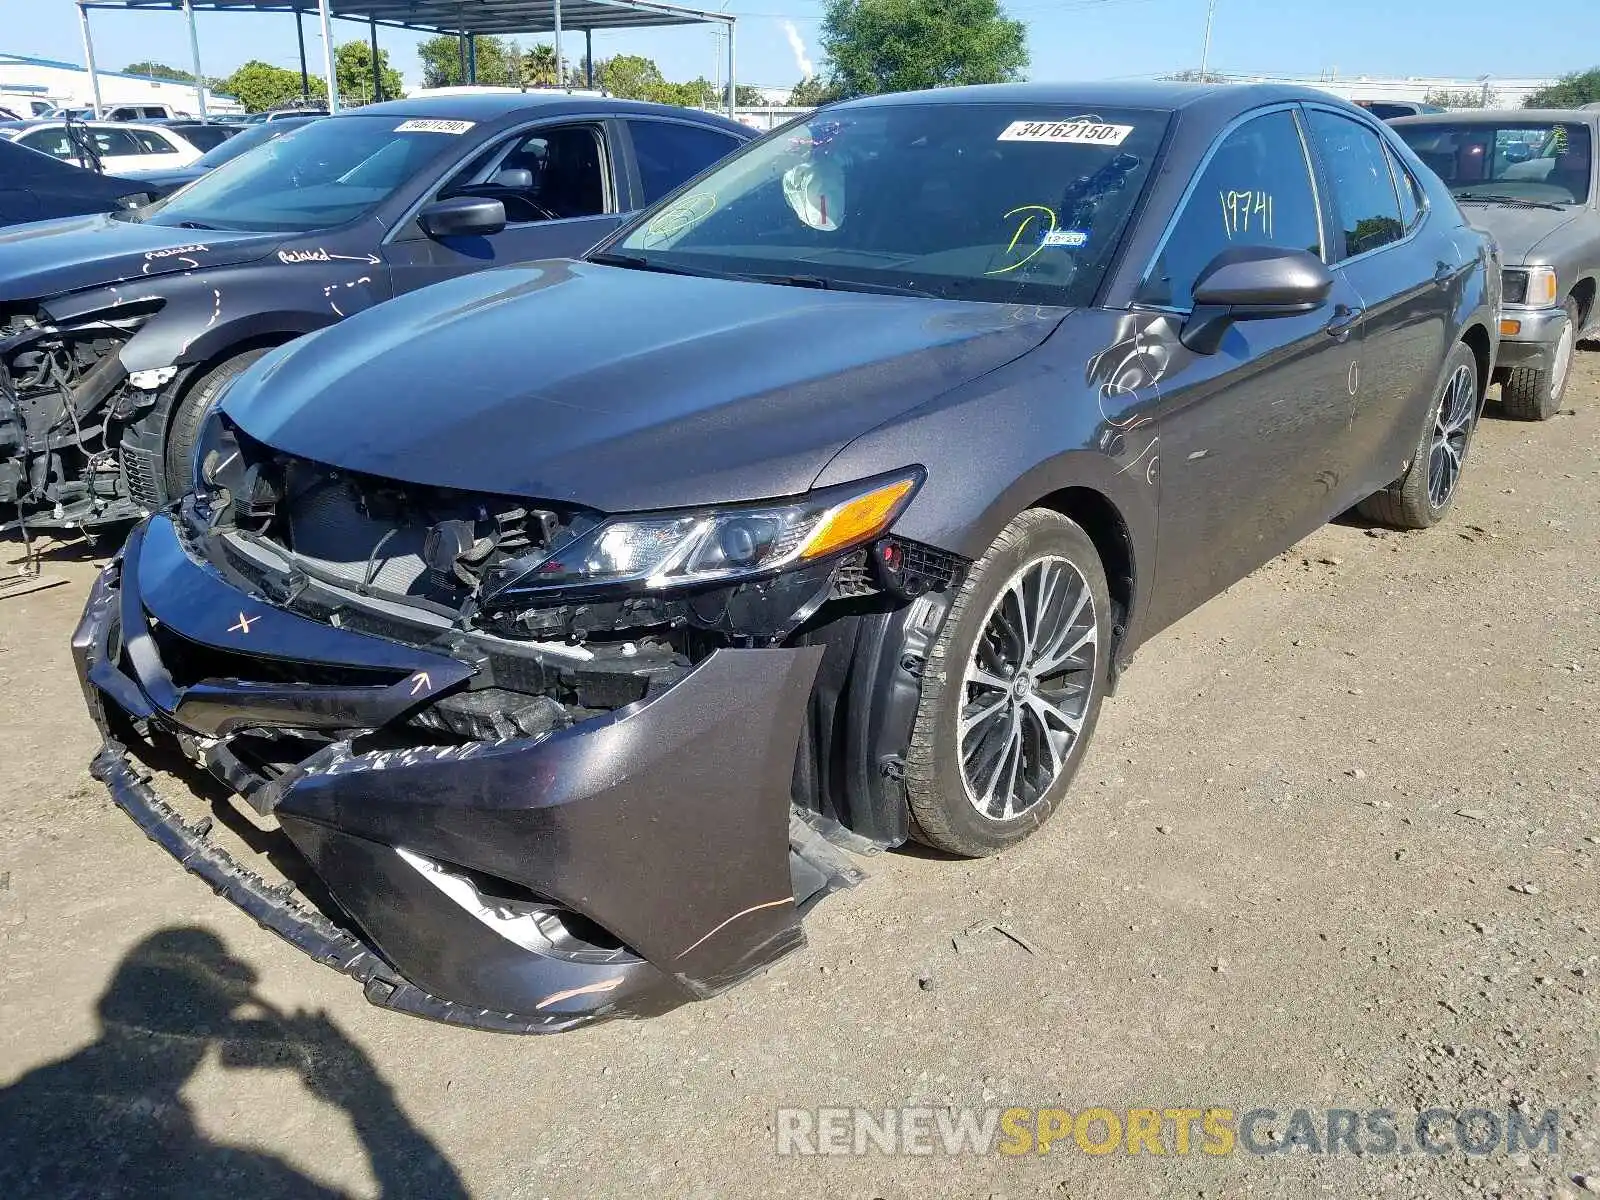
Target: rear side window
(150,143)
(668,153)
(1255,191)
(1411,203)
(1364,195)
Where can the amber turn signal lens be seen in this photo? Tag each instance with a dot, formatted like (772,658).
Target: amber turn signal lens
(1510,328)
(858,520)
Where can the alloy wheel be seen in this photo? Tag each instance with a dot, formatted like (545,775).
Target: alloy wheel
(1027,686)
(1452,428)
(1563,362)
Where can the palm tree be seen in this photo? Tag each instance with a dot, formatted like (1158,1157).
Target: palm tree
(539,66)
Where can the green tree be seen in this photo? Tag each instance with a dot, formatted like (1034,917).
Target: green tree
(539,66)
(1463,98)
(155,70)
(902,45)
(498,64)
(260,86)
(631,77)
(809,93)
(352,64)
(1574,91)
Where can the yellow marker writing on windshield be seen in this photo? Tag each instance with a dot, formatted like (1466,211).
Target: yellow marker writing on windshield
(1033,212)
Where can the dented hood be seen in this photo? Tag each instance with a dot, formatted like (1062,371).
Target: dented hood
(48,258)
(618,389)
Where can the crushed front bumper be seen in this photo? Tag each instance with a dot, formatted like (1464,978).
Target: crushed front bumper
(1534,344)
(665,826)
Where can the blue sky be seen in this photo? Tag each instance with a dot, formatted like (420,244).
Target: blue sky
(1068,38)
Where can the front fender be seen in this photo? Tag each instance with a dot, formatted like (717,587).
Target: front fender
(1075,413)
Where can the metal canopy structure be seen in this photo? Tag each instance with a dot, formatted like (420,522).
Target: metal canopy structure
(464,19)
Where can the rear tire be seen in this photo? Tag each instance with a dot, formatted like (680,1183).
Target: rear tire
(1421,497)
(1533,395)
(1021,660)
(191,414)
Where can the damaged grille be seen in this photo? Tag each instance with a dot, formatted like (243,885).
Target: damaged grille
(399,539)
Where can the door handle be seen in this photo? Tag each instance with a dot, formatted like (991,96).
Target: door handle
(1443,275)
(1344,322)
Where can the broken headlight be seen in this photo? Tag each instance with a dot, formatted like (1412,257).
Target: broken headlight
(670,550)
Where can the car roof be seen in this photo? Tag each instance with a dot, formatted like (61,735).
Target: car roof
(495,107)
(1500,116)
(1171,97)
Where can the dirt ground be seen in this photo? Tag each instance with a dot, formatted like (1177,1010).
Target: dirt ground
(1337,845)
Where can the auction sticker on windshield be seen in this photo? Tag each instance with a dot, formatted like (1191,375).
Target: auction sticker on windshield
(434,126)
(1081,133)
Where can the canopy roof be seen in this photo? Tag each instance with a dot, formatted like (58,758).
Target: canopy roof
(461,16)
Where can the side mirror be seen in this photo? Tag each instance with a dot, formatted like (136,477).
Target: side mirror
(1252,283)
(463,216)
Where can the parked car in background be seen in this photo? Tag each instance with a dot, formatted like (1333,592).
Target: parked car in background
(202,135)
(1528,177)
(118,147)
(145,112)
(246,138)
(35,187)
(550,613)
(117,332)
(1388,110)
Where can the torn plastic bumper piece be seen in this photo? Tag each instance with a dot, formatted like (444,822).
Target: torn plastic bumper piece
(623,866)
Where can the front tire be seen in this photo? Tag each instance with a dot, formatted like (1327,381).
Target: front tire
(1421,497)
(1012,690)
(1532,395)
(190,415)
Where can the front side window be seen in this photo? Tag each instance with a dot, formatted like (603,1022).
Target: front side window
(670,152)
(1541,162)
(53,142)
(1364,195)
(997,202)
(552,174)
(1255,191)
(328,173)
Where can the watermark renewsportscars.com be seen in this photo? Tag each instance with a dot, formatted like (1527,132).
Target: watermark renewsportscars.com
(926,1131)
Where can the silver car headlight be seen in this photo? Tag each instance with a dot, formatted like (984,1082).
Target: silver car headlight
(656,552)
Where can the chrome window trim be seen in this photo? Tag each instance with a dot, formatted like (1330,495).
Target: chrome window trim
(1291,107)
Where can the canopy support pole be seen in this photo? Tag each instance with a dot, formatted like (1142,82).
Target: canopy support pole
(377,76)
(732,92)
(561,75)
(305,72)
(588,58)
(88,58)
(327,54)
(194,53)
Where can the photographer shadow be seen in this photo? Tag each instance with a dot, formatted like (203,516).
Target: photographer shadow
(109,1120)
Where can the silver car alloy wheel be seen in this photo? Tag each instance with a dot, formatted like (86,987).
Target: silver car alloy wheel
(1027,686)
(1452,427)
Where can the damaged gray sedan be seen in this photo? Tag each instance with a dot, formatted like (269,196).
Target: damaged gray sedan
(569,624)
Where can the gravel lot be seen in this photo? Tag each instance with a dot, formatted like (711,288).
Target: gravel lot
(1337,845)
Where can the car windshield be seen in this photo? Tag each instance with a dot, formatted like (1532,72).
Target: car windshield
(1540,162)
(325,174)
(247,139)
(1000,202)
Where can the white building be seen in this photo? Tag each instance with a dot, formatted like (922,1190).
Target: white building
(67,84)
(1502,93)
